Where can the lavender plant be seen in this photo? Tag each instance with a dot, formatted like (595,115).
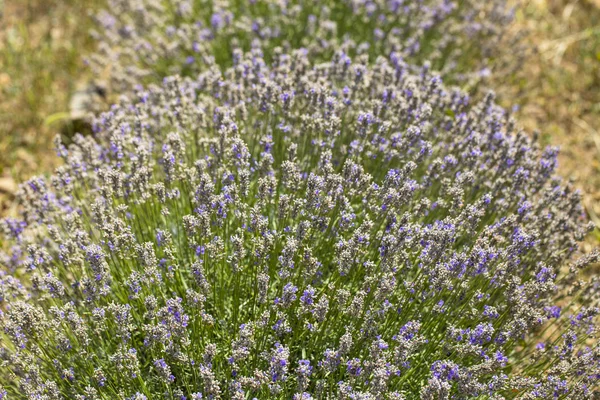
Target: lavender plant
(287,230)
(145,40)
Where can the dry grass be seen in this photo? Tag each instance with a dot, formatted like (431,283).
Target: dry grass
(559,87)
(41,43)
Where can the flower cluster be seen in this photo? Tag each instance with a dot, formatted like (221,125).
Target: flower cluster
(141,40)
(286,229)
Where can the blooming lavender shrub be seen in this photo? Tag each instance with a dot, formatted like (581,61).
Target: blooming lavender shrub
(299,231)
(140,41)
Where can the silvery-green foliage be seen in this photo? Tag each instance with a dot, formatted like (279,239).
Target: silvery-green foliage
(145,40)
(289,230)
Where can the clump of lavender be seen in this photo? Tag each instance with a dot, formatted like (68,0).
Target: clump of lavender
(299,231)
(140,41)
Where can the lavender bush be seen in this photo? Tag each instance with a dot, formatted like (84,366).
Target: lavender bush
(145,40)
(298,231)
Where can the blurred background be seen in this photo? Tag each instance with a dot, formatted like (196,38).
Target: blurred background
(44,85)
